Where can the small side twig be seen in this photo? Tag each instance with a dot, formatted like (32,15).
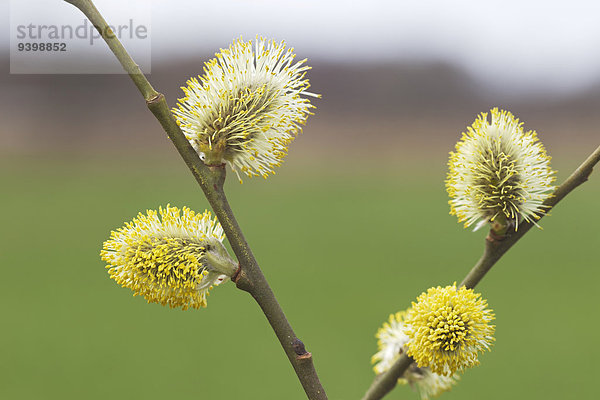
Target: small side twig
(211,178)
(493,251)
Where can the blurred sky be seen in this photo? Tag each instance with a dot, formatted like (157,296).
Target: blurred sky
(544,45)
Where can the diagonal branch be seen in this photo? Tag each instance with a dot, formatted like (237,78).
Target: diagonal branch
(211,179)
(494,250)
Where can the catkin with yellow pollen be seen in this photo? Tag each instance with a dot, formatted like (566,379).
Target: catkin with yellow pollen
(499,173)
(447,328)
(247,107)
(391,342)
(171,257)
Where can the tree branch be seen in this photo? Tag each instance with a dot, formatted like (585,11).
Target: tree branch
(211,179)
(494,250)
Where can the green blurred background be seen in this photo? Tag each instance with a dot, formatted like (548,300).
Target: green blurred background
(353,227)
(343,245)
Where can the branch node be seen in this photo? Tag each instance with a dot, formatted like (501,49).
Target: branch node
(299,349)
(236,276)
(218,174)
(215,166)
(305,356)
(495,238)
(242,282)
(587,175)
(157,98)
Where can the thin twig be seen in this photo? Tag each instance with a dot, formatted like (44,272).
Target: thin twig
(494,250)
(250,277)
